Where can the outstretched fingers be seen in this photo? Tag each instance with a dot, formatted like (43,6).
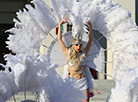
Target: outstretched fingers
(64,20)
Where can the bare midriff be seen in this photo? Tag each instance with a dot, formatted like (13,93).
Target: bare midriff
(76,74)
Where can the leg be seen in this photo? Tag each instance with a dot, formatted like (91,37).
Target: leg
(86,92)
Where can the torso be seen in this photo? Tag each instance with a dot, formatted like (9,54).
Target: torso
(78,74)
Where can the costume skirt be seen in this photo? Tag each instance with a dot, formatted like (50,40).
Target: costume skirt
(81,84)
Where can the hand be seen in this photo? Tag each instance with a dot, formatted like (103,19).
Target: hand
(96,92)
(89,23)
(64,20)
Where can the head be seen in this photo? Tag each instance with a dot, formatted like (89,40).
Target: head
(77,45)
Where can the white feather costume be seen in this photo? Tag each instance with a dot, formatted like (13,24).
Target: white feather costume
(36,75)
(34,24)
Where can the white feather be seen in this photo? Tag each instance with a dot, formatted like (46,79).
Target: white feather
(7,86)
(42,17)
(126,89)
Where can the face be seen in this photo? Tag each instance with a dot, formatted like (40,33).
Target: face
(77,47)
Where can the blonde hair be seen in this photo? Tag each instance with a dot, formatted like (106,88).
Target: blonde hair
(73,57)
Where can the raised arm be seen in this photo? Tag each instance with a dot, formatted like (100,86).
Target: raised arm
(61,43)
(88,46)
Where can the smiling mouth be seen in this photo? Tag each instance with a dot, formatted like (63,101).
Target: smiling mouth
(78,49)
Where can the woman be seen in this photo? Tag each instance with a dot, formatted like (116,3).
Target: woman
(76,58)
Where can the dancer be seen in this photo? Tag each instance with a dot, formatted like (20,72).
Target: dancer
(76,59)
